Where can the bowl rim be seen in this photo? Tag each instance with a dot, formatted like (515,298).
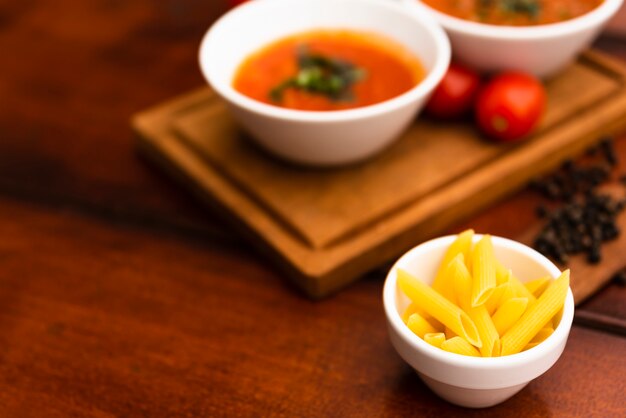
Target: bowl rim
(593,18)
(422,89)
(485,363)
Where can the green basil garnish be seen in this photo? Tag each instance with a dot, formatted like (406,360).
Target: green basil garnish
(319,74)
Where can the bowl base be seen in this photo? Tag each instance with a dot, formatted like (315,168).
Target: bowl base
(471,398)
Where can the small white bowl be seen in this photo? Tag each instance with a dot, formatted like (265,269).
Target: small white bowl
(541,50)
(473,382)
(321,138)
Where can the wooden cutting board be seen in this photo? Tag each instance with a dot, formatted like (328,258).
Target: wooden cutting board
(326,227)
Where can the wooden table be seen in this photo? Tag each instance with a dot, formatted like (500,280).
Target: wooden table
(121,296)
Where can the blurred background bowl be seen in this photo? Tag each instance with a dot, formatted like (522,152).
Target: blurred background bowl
(321,138)
(617,25)
(474,382)
(542,50)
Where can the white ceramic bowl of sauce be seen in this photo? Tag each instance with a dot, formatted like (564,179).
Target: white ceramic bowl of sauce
(542,50)
(314,137)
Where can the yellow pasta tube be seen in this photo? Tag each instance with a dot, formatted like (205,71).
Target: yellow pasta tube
(508,313)
(543,333)
(462,245)
(537,286)
(530,345)
(415,308)
(438,306)
(459,346)
(501,294)
(505,275)
(538,314)
(449,333)
(461,282)
(487,332)
(410,310)
(435,338)
(539,338)
(419,325)
(502,273)
(484,271)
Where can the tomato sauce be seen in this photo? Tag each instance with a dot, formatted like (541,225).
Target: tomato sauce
(515,12)
(388,69)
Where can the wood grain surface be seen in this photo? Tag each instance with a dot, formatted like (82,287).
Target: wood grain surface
(327,227)
(120,296)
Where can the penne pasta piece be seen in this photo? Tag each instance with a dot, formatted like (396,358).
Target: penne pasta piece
(502,273)
(543,333)
(462,245)
(530,345)
(502,276)
(537,315)
(461,283)
(508,313)
(487,332)
(438,306)
(521,291)
(501,294)
(483,271)
(415,308)
(419,325)
(508,292)
(435,338)
(460,346)
(449,333)
(410,310)
(537,286)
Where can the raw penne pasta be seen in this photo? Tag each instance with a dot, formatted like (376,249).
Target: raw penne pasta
(539,338)
(461,282)
(415,308)
(449,333)
(438,306)
(410,310)
(419,325)
(483,271)
(502,275)
(520,290)
(435,338)
(486,331)
(508,292)
(530,345)
(489,337)
(462,245)
(543,333)
(501,294)
(460,346)
(482,310)
(537,315)
(508,313)
(537,286)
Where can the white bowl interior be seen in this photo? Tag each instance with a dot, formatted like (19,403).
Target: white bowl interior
(221,53)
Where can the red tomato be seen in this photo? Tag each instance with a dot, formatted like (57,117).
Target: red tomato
(510,106)
(455,94)
(233,3)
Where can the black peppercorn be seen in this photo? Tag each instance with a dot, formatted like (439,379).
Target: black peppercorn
(585,218)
